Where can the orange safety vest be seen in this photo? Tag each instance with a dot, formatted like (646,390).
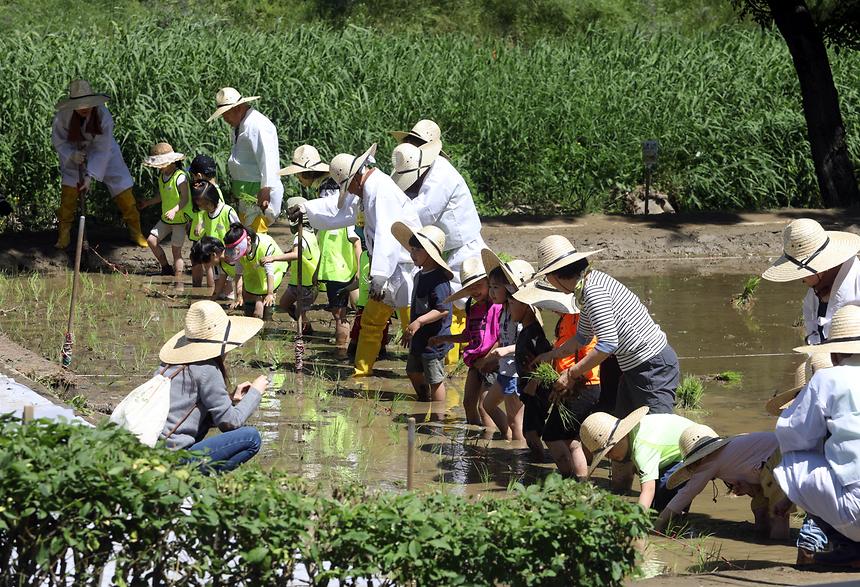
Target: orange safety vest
(565,329)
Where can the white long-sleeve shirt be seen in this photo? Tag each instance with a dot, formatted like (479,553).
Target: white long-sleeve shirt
(444,200)
(845,290)
(255,156)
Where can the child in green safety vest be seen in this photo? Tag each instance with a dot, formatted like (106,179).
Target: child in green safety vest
(363,278)
(216,218)
(175,199)
(306,291)
(209,252)
(203,172)
(257,278)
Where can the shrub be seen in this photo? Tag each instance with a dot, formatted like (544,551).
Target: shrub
(96,494)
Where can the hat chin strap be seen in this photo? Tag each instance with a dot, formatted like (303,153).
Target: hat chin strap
(805,263)
(223,342)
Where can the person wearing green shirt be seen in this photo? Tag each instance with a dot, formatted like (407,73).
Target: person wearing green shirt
(257,278)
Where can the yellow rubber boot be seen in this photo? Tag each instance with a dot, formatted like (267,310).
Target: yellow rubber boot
(403,314)
(259,225)
(128,207)
(373,320)
(66,215)
(458,325)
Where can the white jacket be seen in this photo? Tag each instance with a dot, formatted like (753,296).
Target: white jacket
(255,156)
(846,290)
(104,161)
(444,199)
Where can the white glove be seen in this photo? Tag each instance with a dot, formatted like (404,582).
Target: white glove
(78,157)
(377,287)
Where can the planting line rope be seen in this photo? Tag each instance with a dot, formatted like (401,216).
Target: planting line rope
(742,356)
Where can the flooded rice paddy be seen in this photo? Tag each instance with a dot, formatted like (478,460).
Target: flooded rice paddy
(341,428)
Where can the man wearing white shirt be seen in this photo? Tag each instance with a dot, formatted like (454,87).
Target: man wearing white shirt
(254,160)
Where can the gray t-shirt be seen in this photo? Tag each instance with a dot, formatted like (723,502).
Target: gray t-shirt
(508,331)
(201,386)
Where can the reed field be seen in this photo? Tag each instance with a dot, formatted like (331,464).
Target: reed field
(551,127)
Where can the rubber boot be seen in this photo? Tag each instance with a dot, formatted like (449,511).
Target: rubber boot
(373,320)
(458,324)
(404,315)
(128,207)
(260,225)
(66,215)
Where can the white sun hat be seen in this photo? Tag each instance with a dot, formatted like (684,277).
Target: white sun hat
(305,158)
(517,272)
(208,333)
(601,431)
(696,442)
(540,294)
(802,375)
(555,252)
(432,239)
(471,273)
(809,249)
(228,98)
(411,162)
(425,130)
(844,333)
(81,95)
(162,155)
(344,167)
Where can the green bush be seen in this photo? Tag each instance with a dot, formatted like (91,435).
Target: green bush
(97,494)
(553,127)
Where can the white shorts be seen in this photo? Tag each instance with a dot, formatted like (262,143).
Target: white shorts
(176,232)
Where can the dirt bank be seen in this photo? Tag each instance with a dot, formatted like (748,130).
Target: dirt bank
(708,242)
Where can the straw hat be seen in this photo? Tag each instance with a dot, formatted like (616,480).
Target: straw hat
(162,155)
(228,98)
(696,442)
(809,249)
(517,272)
(601,431)
(81,95)
(411,162)
(471,272)
(555,252)
(344,167)
(305,158)
(208,333)
(802,375)
(540,294)
(432,238)
(844,334)
(425,130)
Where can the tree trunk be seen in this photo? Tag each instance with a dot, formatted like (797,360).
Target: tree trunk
(826,130)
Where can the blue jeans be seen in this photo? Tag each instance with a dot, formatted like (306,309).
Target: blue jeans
(230,449)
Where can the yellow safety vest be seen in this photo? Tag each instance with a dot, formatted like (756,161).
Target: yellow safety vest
(253,271)
(170,197)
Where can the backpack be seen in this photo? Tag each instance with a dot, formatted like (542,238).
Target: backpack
(143,412)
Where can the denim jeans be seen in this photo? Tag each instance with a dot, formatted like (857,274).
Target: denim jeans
(228,450)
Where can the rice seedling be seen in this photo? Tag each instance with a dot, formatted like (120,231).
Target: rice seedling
(79,403)
(545,374)
(730,377)
(689,393)
(745,299)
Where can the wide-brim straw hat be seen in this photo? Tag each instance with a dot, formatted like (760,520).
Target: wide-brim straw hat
(555,252)
(471,273)
(411,162)
(162,155)
(517,272)
(344,167)
(809,249)
(802,375)
(540,294)
(601,431)
(228,98)
(696,442)
(209,333)
(81,95)
(425,130)
(844,334)
(432,238)
(305,158)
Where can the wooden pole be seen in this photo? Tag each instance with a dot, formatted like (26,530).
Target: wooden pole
(299,343)
(29,413)
(647,188)
(410,455)
(69,338)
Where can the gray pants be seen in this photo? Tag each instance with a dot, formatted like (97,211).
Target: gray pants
(651,383)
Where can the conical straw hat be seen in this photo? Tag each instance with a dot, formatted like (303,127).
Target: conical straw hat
(344,167)
(555,252)
(305,158)
(162,155)
(208,333)
(432,238)
(601,431)
(471,272)
(802,375)
(228,98)
(411,162)
(809,249)
(425,130)
(696,442)
(844,333)
(81,95)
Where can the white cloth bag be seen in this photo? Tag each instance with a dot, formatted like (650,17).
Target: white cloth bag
(143,412)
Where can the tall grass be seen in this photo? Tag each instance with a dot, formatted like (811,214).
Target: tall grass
(550,128)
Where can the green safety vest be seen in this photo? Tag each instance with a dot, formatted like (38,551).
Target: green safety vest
(219,225)
(228,269)
(310,260)
(363,280)
(196,217)
(253,273)
(170,198)
(337,256)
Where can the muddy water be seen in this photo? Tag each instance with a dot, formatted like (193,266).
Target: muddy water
(342,428)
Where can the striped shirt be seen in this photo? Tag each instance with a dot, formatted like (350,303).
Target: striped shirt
(620,322)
